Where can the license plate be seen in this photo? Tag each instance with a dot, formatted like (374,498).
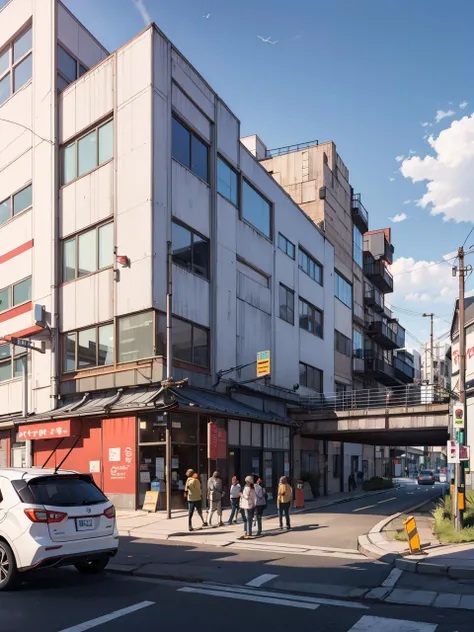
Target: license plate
(84,524)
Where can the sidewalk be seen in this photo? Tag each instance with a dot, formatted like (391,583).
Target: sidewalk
(140,524)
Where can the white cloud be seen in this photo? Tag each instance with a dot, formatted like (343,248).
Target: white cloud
(392,179)
(426,124)
(423,282)
(463,105)
(407,202)
(399,158)
(441,114)
(450,185)
(401,217)
(141,8)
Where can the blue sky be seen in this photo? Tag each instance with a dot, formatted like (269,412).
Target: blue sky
(364,73)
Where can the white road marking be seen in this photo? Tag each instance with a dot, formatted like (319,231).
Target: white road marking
(380,624)
(274,601)
(205,588)
(93,623)
(261,579)
(392,578)
(387,500)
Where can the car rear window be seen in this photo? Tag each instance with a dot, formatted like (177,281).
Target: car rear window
(427,473)
(63,491)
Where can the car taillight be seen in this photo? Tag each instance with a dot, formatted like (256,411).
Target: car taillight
(42,515)
(110,512)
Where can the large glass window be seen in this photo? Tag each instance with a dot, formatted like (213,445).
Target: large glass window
(227,182)
(16,203)
(286,246)
(69,68)
(16,65)
(343,289)
(357,344)
(287,304)
(310,266)
(5,298)
(135,337)
(190,250)
(5,363)
(358,247)
(256,209)
(92,150)
(88,252)
(190,342)
(189,150)
(311,318)
(182,340)
(88,348)
(15,294)
(310,377)
(342,343)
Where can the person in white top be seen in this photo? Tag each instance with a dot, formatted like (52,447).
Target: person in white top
(248,501)
(235,494)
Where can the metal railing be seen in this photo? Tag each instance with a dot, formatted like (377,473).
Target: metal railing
(374,268)
(403,367)
(363,399)
(279,151)
(359,207)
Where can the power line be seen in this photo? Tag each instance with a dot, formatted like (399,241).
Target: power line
(468,235)
(435,263)
(410,312)
(47,140)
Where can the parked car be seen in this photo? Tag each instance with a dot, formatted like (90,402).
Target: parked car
(426,477)
(53,518)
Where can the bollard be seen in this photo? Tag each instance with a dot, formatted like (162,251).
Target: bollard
(412,534)
(299,495)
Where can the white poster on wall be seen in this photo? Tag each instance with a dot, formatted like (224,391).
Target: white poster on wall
(114,455)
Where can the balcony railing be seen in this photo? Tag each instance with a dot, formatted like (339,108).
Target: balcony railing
(280,151)
(378,273)
(403,371)
(360,217)
(383,334)
(397,396)
(374,299)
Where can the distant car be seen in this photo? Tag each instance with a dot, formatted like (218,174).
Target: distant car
(426,477)
(53,518)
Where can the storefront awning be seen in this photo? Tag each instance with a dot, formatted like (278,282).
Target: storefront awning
(217,404)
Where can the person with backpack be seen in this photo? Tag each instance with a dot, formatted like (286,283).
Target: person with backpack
(284,498)
(215,494)
(260,504)
(247,505)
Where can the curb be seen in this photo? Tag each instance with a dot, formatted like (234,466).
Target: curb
(432,568)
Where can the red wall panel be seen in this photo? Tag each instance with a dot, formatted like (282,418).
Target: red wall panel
(119,453)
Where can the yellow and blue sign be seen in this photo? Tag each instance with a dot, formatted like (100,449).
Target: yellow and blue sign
(263,363)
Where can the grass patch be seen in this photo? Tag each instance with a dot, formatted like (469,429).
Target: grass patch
(443,526)
(401,535)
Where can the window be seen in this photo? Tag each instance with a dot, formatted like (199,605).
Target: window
(357,344)
(287,304)
(88,152)
(311,318)
(310,377)
(190,341)
(135,337)
(16,65)
(310,266)
(69,68)
(189,150)
(88,348)
(88,252)
(15,294)
(190,250)
(286,246)
(342,343)
(256,210)
(11,361)
(358,247)
(343,290)
(227,182)
(16,203)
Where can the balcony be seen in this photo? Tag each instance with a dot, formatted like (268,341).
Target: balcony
(383,334)
(374,299)
(400,332)
(403,371)
(360,217)
(377,272)
(379,369)
(377,243)
(358,314)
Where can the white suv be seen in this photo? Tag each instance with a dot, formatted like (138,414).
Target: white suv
(53,518)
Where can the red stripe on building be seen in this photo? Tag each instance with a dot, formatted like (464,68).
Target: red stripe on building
(16,311)
(17,251)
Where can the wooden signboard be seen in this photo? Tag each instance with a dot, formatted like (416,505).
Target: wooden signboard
(151,501)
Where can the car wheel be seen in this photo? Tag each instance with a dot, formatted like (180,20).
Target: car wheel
(9,577)
(93,567)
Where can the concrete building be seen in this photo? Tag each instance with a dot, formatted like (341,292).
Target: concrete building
(105,160)
(436,368)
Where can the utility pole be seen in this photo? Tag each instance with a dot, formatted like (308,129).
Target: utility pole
(169,367)
(432,380)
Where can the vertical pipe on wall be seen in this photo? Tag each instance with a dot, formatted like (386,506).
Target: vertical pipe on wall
(24,374)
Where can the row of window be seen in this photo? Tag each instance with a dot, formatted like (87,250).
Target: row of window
(15,294)
(343,289)
(306,262)
(88,252)
(69,68)
(310,377)
(16,203)
(138,336)
(10,362)
(310,317)
(88,152)
(188,149)
(16,65)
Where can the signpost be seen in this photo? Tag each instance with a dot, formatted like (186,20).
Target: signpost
(151,501)
(263,363)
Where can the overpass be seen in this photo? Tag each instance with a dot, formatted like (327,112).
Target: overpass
(403,415)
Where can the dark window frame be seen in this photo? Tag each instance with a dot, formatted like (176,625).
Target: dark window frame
(76,333)
(344,280)
(244,181)
(11,293)
(284,313)
(342,343)
(237,176)
(13,64)
(75,142)
(10,200)
(201,140)
(314,371)
(318,266)
(75,237)
(314,310)
(160,347)
(193,233)
(287,242)
(79,66)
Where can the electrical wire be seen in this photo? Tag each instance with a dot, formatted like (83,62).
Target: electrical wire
(435,263)
(468,235)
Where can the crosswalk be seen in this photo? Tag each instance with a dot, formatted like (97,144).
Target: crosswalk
(358,621)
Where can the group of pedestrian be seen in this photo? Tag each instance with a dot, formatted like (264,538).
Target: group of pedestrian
(250,500)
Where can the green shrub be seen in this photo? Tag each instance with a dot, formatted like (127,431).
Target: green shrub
(376,482)
(443,527)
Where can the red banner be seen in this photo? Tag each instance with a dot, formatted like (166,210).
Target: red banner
(216,442)
(49,430)
(119,455)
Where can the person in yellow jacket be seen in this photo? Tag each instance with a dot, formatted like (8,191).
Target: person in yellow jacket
(284,498)
(194,495)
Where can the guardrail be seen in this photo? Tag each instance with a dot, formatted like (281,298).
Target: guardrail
(279,151)
(363,399)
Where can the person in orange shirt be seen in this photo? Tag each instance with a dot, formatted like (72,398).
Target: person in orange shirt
(284,498)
